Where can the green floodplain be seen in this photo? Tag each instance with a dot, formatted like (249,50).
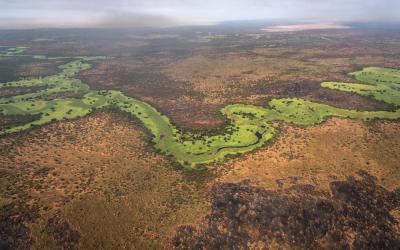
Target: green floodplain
(249,127)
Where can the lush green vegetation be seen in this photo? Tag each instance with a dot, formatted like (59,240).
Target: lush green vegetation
(383,84)
(249,126)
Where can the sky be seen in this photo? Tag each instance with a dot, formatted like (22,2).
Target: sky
(161,13)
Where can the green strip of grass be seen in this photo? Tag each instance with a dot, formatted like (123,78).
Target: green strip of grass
(249,126)
(11,51)
(383,84)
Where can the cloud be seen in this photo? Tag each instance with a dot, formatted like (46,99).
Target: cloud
(134,13)
(121,19)
(88,18)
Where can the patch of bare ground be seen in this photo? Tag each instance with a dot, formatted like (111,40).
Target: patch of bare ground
(305,27)
(102,181)
(318,154)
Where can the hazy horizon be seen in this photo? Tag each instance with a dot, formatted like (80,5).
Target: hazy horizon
(157,13)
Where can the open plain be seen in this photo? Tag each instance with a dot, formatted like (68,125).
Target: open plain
(209,137)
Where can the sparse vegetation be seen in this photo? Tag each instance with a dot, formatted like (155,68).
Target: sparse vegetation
(249,126)
(81,166)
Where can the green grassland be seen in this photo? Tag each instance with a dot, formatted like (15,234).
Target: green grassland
(11,51)
(383,84)
(249,127)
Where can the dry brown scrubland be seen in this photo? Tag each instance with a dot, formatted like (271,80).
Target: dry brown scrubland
(99,175)
(191,85)
(322,153)
(96,183)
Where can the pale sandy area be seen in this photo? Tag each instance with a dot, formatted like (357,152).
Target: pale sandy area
(303,27)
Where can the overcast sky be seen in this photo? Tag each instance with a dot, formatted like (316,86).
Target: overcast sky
(131,13)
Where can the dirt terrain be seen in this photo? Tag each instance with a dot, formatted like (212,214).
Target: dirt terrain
(97,183)
(307,26)
(191,85)
(99,169)
(319,154)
